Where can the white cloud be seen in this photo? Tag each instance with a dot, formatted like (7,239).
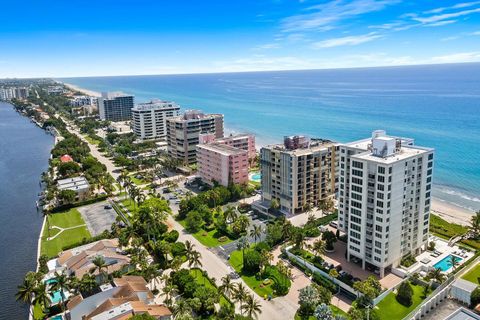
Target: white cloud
(450,38)
(323,17)
(440,23)
(457,57)
(267,46)
(347,41)
(445,16)
(457,6)
(476,33)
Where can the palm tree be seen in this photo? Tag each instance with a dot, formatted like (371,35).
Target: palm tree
(251,306)
(453,261)
(194,260)
(243,244)
(230,214)
(437,275)
(243,222)
(266,257)
(87,283)
(475,224)
(256,232)
(99,265)
(318,248)
(227,286)
(168,291)
(27,289)
(240,293)
(189,249)
(41,296)
(181,309)
(61,284)
(140,197)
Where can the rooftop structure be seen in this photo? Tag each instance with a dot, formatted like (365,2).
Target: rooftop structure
(241,141)
(298,173)
(78,184)
(149,120)
(66,158)
(127,297)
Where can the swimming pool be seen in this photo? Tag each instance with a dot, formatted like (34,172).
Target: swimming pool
(445,263)
(257,177)
(56,297)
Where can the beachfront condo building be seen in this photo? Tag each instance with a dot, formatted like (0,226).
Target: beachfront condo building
(299,173)
(242,141)
(9,93)
(223,164)
(149,120)
(115,106)
(384,199)
(183,133)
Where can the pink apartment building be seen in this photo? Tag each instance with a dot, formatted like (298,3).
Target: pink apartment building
(222,163)
(240,141)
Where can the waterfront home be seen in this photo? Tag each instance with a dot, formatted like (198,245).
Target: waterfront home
(124,298)
(66,158)
(79,261)
(78,184)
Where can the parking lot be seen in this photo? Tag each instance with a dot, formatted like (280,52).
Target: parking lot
(97,218)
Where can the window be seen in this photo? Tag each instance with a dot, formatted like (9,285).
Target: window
(357,173)
(381,170)
(357,164)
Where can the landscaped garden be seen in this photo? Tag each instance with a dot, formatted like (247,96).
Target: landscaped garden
(265,279)
(200,279)
(63,237)
(210,238)
(391,309)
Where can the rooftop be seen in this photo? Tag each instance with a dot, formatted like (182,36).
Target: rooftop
(155,105)
(303,147)
(402,154)
(222,149)
(463,314)
(75,184)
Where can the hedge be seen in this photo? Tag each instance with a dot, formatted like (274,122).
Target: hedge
(78,204)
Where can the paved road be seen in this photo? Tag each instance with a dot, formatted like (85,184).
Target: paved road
(114,170)
(97,218)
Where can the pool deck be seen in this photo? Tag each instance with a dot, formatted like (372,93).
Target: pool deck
(444,249)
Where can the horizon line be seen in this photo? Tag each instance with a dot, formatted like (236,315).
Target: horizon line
(245,71)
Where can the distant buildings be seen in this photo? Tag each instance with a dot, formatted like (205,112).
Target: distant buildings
(115,106)
(80,101)
(384,198)
(149,120)
(78,184)
(9,93)
(55,90)
(128,296)
(183,133)
(298,173)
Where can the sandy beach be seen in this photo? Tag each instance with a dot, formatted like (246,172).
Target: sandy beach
(451,212)
(85,91)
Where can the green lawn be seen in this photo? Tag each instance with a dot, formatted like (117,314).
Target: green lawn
(92,141)
(473,275)
(236,261)
(130,205)
(70,218)
(137,181)
(199,278)
(208,239)
(390,309)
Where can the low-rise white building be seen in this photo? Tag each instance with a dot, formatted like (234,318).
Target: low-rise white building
(78,184)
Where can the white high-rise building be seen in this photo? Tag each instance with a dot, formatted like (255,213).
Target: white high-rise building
(384,199)
(149,120)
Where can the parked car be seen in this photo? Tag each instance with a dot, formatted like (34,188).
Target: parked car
(107,207)
(334,224)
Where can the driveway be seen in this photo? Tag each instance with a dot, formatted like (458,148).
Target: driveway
(97,218)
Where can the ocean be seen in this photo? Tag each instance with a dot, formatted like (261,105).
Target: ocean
(438,105)
(24,153)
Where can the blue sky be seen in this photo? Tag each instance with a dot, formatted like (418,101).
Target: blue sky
(59,38)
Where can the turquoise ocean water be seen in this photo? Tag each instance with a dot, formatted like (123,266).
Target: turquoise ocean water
(438,105)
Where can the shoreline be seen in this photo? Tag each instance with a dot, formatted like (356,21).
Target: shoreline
(446,210)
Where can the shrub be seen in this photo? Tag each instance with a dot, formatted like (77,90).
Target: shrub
(262,246)
(408,261)
(178,249)
(251,262)
(329,238)
(171,236)
(194,221)
(312,232)
(405,294)
(475,297)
